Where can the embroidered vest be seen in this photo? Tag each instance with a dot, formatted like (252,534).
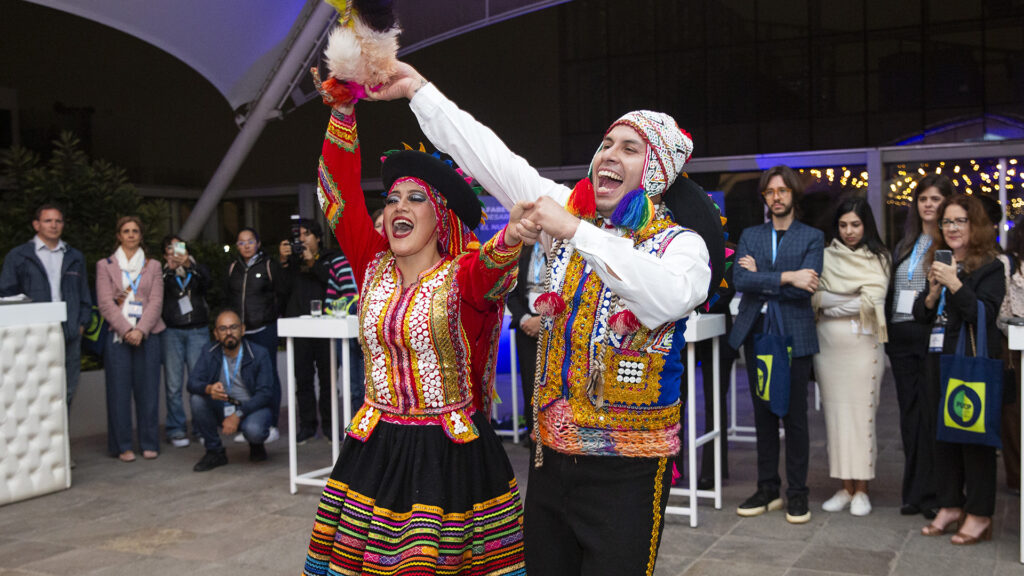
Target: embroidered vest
(417,355)
(599,393)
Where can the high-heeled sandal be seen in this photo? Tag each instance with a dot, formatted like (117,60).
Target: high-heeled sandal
(126,456)
(968,540)
(951,527)
(150,454)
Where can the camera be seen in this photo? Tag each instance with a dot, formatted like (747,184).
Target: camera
(296,238)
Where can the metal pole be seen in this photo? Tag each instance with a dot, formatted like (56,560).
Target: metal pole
(262,112)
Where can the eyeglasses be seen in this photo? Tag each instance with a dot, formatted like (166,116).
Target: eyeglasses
(231,328)
(954,224)
(241,243)
(780,192)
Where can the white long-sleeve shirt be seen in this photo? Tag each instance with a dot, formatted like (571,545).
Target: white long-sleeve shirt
(657,290)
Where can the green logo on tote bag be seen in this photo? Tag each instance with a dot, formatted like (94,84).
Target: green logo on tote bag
(764,376)
(965,409)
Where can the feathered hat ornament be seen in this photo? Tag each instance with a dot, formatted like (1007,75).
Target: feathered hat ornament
(361,51)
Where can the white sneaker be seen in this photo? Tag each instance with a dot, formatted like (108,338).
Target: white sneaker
(839,501)
(860,505)
(182,442)
(274,435)
(239,438)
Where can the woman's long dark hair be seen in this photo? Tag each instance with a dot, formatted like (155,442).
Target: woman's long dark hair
(981,244)
(871,239)
(912,228)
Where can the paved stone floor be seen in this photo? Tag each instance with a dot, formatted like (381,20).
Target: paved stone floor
(160,518)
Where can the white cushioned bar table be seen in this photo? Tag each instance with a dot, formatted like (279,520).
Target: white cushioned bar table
(34,449)
(700,327)
(334,328)
(1016,337)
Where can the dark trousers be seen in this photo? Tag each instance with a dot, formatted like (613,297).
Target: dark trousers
(766,426)
(313,356)
(595,515)
(705,356)
(526,354)
(908,353)
(208,415)
(132,371)
(267,338)
(1010,430)
(965,473)
(72,366)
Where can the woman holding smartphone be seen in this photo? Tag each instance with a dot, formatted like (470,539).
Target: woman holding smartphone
(963,271)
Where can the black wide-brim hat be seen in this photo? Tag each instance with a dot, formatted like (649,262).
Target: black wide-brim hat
(458,194)
(692,208)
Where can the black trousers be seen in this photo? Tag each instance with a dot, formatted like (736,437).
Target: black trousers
(965,473)
(705,356)
(766,426)
(313,356)
(595,515)
(908,354)
(526,354)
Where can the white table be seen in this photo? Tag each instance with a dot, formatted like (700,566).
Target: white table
(334,328)
(1016,337)
(701,327)
(35,456)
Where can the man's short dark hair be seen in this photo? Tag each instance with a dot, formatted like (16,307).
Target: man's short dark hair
(222,311)
(313,226)
(48,206)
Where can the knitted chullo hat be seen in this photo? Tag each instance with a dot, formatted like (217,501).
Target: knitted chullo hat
(668,149)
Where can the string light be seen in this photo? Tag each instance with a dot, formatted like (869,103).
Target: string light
(987,181)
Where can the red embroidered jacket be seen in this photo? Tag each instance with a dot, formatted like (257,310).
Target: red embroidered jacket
(430,349)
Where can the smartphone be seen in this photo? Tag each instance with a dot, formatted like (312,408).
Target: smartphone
(944,256)
(179,249)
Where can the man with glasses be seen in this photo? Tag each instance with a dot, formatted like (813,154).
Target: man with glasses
(232,387)
(779,261)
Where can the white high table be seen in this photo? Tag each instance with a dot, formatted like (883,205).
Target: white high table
(334,328)
(700,327)
(1016,337)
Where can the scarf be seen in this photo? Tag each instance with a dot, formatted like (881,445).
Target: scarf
(134,269)
(846,271)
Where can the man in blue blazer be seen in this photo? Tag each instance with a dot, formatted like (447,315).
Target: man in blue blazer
(231,385)
(779,261)
(47,269)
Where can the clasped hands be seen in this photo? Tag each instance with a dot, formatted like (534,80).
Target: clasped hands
(527,220)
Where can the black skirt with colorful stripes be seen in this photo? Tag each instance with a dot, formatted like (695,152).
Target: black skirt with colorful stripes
(410,501)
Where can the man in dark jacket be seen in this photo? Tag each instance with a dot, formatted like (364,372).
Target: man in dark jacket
(307,273)
(186,315)
(46,269)
(231,386)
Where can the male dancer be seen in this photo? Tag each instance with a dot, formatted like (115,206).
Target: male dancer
(621,277)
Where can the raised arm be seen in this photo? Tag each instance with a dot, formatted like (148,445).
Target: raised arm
(476,148)
(341,196)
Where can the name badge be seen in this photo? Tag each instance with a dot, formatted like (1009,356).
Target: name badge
(229,409)
(937,337)
(185,305)
(134,309)
(905,302)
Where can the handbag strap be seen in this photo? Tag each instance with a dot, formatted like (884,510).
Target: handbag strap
(981,349)
(773,318)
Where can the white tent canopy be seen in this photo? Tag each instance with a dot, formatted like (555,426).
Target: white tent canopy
(257,52)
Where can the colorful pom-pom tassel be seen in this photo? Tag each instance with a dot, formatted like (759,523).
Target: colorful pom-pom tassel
(550,304)
(582,201)
(634,211)
(624,323)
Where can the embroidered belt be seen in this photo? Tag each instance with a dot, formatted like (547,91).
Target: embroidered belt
(457,424)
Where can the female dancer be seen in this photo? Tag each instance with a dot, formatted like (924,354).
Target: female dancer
(423,485)
(851,324)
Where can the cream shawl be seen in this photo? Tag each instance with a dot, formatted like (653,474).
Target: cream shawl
(859,271)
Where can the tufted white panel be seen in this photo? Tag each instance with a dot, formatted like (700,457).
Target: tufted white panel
(34,453)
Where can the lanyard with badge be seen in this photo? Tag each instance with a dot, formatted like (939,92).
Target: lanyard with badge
(775,251)
(229,378)
(184,302)
(905,299)
(939,330)
(135,306)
